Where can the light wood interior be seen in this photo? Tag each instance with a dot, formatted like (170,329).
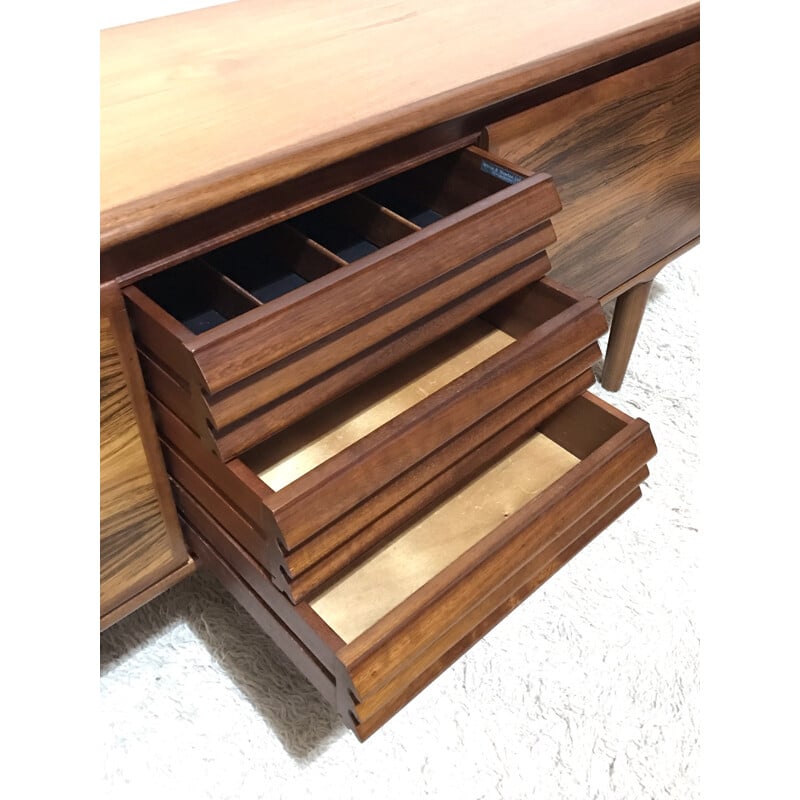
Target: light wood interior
(301,448)
(394,572)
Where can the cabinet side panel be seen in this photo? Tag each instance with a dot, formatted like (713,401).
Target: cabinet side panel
(624,153)
(140,541)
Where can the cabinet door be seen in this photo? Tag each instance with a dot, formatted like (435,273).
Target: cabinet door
(141,547)
(624,153)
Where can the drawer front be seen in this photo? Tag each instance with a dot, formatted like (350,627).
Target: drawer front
(248,324)
(382,629)
(301,572)
(259,422)
(377,708)
(625,155)
(316,480)
(324,490)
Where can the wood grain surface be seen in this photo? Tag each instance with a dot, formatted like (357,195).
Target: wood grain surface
(374,712)
(375,655)
(202,108)
(414,662)
(625,156)
(140,542)
(240,347)
(147,594)
(298,450)
(477,447)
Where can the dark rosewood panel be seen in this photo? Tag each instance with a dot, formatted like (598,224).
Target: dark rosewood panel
(140,543)
(625,157)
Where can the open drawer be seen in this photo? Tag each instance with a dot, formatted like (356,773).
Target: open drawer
(387,624)
(261,332)
(312,496)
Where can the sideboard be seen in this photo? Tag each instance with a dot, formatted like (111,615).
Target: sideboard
(352,264)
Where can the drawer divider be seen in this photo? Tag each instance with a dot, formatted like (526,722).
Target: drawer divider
(250,299)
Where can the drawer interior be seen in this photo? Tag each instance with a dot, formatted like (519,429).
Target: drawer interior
(353,227)
(197,296)
(271,263)
(442,187)
(306,445)
(229,281)
(366,593)
(342,423)
(225,283)
(340,238)
(371,590)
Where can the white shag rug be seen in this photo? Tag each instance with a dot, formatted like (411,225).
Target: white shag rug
(588,690)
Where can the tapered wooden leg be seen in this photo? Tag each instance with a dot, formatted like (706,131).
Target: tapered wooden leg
(628,314)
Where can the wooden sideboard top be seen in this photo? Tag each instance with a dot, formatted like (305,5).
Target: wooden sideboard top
(200,108)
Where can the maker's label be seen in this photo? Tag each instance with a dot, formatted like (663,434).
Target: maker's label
(500,172)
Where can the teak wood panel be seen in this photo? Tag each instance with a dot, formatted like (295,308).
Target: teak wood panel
(151,591)
(188,124)
(134,259)
(625,156)
(140,542)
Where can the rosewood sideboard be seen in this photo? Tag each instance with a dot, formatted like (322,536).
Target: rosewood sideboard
(352,270)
